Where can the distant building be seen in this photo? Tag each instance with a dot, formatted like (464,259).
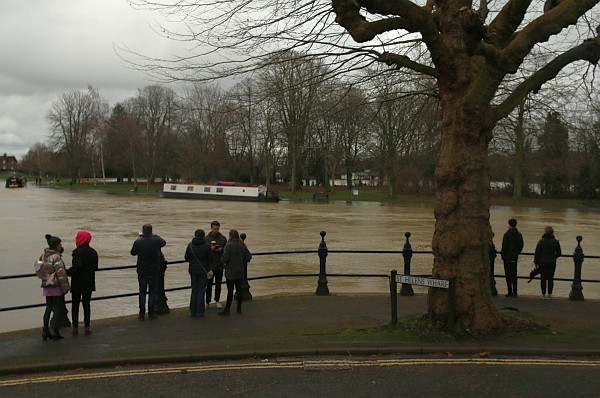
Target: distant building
(8,163)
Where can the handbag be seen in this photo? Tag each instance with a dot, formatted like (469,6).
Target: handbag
(210,274)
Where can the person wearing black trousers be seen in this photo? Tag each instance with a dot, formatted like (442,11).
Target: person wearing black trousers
(512,245)
(235,255)
(546,253)
(83,280)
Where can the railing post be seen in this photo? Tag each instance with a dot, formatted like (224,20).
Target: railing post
(576,288)
(407,253)
(492,255)
(245,285)
(394,297)
(322,289)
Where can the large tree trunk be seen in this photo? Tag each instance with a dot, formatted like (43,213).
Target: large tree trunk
(462,229)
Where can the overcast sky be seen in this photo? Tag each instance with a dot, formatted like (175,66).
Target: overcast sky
(50,47)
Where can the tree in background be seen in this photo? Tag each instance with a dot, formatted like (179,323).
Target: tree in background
(74,118)
(294,84)
(156,110)
(39,158)
(552,156)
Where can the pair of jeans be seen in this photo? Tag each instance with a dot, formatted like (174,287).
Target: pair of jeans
(84,299)
(147,283)
(198,281)
(216,280)
(54,304)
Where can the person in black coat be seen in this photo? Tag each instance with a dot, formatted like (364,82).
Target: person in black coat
(546,253)
(512,245)
(147,249)
(235,256)
(200,257)
(83,280)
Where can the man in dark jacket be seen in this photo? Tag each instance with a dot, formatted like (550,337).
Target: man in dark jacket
(512,245)
(83,280)
(200,257)
(546,253)
(147,249)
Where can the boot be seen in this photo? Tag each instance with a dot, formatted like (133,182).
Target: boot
(88,331)
(224,312)
(46,334)
(56,334)
(75,331)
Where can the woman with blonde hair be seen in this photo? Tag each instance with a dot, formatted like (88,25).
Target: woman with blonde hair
(235,255)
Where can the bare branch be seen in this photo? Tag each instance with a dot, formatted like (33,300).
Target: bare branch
(542,28)
(589,51)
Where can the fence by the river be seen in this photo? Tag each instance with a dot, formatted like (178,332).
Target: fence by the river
(322,287)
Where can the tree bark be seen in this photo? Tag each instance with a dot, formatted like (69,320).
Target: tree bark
(462,228)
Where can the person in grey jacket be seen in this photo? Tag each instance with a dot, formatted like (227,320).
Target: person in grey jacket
(546,253)
(235,255)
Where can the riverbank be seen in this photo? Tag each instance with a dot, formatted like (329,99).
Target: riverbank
(306,194)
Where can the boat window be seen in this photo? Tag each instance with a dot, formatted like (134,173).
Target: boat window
(190,188)
(173,187)
(206,189)
(219,190)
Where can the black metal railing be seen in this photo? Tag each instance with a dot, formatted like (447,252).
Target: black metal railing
(322,283)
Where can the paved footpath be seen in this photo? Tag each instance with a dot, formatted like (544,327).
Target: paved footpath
(291,325)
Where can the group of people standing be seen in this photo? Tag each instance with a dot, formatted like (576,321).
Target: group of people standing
(210,256)
(547,251)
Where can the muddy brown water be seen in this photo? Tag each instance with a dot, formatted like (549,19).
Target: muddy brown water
(114,221)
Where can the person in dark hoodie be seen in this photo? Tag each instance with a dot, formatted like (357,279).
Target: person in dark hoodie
(512,245)
(200,257)
(546,253)
(83,280)
(147,249)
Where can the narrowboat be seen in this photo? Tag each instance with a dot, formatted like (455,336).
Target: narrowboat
(221,190)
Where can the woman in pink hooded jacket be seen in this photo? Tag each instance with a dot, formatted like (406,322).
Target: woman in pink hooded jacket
(83,280)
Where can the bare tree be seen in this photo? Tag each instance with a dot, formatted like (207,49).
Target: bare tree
(294,83)
(155,108)
(73,118)
(38,159)
(468,51)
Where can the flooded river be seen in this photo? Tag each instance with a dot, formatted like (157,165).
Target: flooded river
(114,221)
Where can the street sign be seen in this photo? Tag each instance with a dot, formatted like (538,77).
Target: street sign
(429,282)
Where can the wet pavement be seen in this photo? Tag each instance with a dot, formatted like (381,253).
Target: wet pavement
(293,325)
